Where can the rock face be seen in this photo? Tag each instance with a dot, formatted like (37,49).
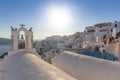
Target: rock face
(27,66)
(87,68)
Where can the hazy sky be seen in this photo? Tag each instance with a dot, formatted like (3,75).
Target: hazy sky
(56,17)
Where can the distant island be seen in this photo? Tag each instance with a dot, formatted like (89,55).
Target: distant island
(5,41)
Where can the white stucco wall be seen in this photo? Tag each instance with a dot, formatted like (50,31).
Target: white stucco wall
(15,40)
(87,68)
(27,66)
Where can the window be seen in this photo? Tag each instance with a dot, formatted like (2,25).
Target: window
(115,25)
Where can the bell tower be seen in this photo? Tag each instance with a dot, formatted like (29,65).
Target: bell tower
(15,33)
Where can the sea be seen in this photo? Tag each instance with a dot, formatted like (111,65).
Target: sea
(4,48)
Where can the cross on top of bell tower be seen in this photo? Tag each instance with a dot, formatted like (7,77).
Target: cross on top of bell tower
(22,25)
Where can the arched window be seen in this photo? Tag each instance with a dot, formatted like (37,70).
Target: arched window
(21,40)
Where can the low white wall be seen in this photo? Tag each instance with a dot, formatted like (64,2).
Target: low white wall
(27,66)
(23,50)
(113,49)
(87,68)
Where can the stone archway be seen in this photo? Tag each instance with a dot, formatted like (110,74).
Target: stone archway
(15,33)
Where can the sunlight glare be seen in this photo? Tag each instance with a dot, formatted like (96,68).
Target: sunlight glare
(59,17)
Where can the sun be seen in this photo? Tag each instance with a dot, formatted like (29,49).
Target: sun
(59,17)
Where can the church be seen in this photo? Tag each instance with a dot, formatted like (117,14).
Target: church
(24,63)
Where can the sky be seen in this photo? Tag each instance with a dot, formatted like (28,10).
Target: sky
(56,17)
